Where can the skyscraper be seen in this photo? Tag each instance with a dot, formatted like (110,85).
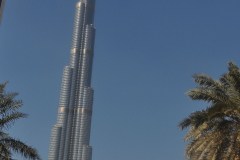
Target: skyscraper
(71,134)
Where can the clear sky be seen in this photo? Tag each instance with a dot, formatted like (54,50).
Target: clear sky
(145,55)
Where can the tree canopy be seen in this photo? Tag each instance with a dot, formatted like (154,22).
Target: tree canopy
(9,113)
(214,132)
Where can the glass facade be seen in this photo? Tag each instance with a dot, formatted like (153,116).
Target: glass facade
(70,136)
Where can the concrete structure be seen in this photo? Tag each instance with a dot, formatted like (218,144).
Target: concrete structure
(71,134)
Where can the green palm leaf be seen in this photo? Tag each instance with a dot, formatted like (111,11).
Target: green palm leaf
(9,113)
(214,133)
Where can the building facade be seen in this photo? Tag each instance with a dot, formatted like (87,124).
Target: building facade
(70,136)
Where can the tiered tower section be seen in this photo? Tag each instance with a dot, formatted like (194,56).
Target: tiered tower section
(71,134)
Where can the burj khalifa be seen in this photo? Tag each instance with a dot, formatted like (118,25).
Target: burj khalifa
(70,136)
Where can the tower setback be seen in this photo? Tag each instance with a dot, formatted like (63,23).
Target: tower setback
(70,136)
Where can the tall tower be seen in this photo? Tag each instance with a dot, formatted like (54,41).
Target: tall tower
(71,134)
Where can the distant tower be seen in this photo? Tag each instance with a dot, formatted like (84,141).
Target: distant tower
(71,134)
(2,2)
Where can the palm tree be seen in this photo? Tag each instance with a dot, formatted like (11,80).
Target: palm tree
(214,133)
(9,113)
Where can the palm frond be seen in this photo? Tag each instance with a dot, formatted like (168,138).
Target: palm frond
(206,81)
(2,87)
(195,119)
(235,74)
(214,133)
(9,113)
(8,103)
(7,120)
(208,95)
(5,153)
(20,147)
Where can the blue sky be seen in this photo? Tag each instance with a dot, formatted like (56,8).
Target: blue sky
(145,55)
